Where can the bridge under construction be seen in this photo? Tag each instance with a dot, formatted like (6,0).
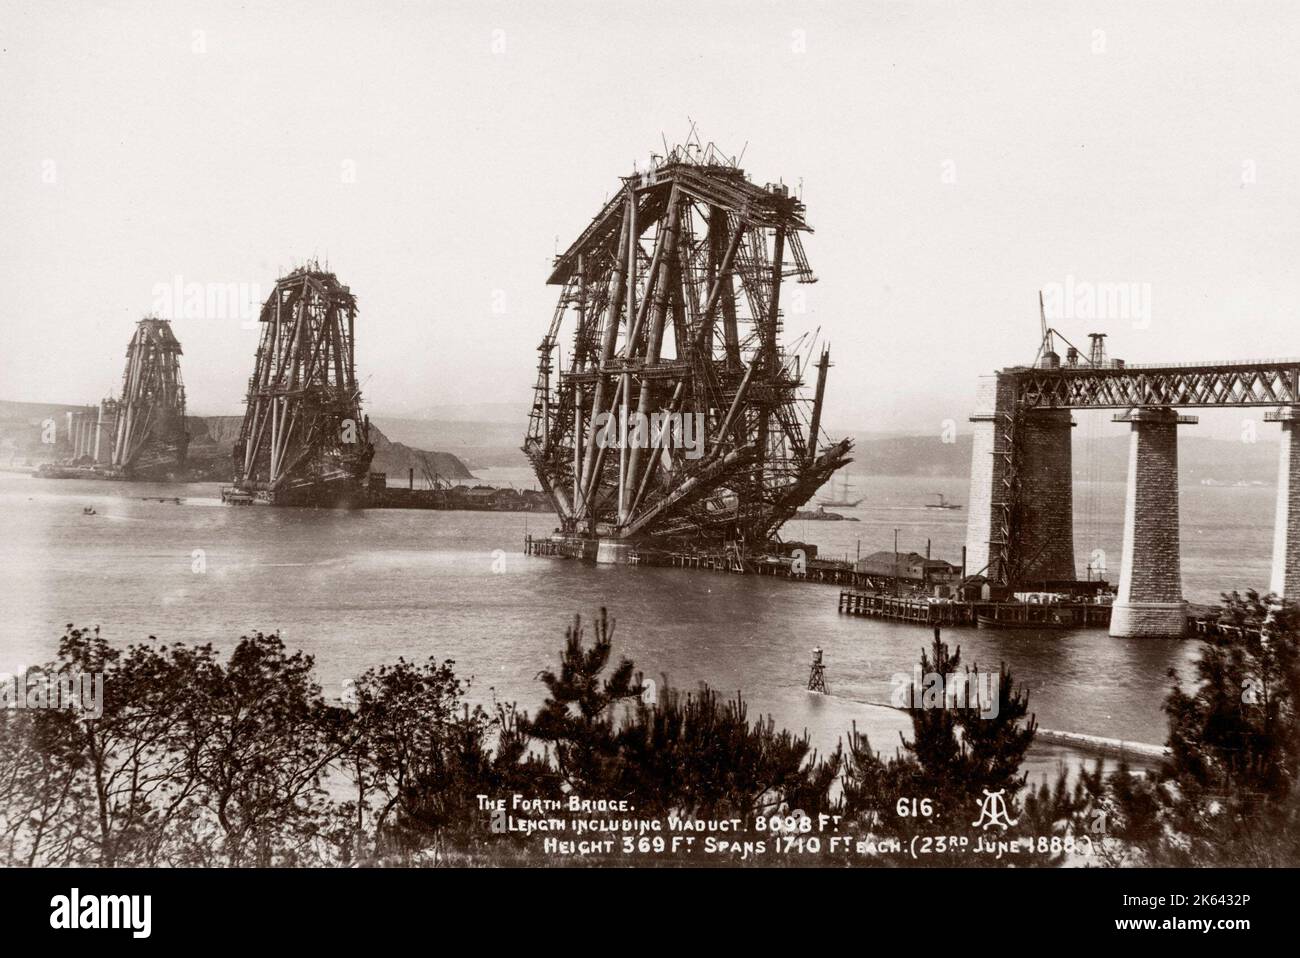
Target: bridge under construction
(142,434)
(1020,531)
(304,441)
(678,416)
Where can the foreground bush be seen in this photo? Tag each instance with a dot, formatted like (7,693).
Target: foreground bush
(1230,792)
(196,759)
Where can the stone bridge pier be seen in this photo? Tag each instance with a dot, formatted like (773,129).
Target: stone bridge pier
(1150,601)
(1019,527)
(1047,491)
(1285,582)
(1045,537)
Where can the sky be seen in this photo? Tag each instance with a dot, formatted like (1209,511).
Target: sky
(955,160)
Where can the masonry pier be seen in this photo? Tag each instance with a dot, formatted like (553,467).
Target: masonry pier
(1019,534)
(1150,598)
(1047,487)
(1286,524)
(1020,527)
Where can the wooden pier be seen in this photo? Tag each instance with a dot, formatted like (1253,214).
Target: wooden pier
(559,547)
(905,608)
(829,571)
(923,610)
(1211,624)
(862,593)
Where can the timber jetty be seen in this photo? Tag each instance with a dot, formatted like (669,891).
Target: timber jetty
(931,611)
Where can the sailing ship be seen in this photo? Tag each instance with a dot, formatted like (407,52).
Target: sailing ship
(843,501)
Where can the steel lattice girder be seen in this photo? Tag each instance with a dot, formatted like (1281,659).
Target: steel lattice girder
(1227,384)
(673,293)
(149,420)
(303,424)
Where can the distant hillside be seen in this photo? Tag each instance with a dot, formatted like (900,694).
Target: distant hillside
(478,443)
(219,431)
(396,459)
(494,441)
(212,439)
(489,443)
(22,430)
(910,455)
(500,413)
(1104,458)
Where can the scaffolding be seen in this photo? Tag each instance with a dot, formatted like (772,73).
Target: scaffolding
(678,415)
(148,434)
(304,440)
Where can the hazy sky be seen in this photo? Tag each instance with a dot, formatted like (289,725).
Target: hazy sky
(954,159)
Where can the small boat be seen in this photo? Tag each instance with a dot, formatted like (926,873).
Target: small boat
(88,511)
(942,503)
(989,622)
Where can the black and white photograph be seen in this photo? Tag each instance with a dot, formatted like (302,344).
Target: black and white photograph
(848,445)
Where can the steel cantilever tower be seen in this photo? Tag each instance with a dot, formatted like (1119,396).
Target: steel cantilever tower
(670,306)
(149,439)
(304,440)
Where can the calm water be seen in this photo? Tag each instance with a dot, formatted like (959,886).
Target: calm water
(357,589)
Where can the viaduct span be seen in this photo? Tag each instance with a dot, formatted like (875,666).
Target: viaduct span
(1020,526)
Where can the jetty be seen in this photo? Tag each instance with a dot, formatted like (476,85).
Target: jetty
(931,611)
